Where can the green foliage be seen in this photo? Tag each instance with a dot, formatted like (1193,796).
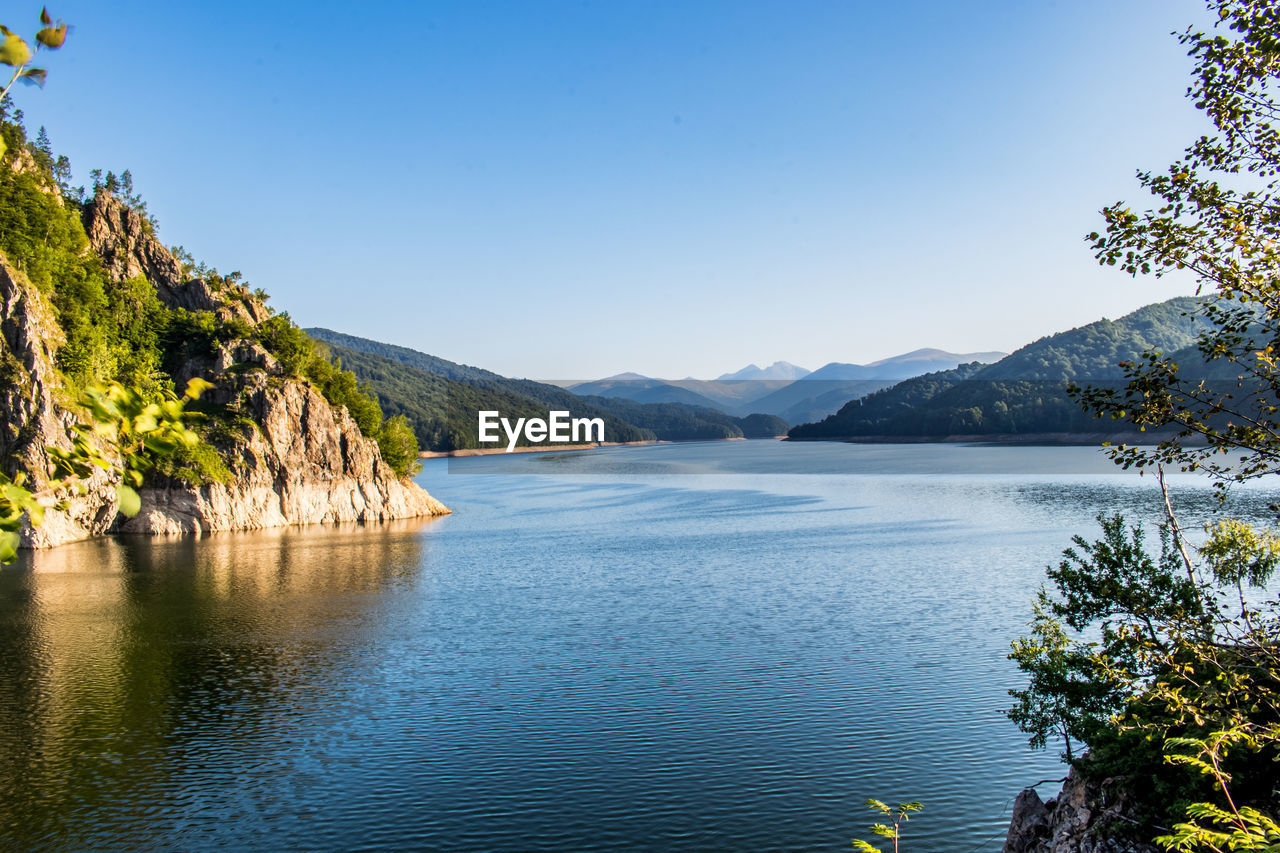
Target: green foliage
(125,433)
(1060,700)
(121,332)
(1212,827)
(671,421)
(399,446)
(195,465)
(114,331)
(898,815)
(300,355)
(442,410)
(16,503)
(1196,668)
(1238,553)
(17,54)
(1168,656)
(192,335)
(762,426)
(1216,214)
(341,388)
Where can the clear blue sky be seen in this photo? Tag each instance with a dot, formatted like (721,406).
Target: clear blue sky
(574,189)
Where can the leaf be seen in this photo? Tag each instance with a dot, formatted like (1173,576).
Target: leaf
(14,51)
(130,503)
(8,546)
(52,37)
(195,387)
(34,77)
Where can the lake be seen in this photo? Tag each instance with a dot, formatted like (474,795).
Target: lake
(712,646)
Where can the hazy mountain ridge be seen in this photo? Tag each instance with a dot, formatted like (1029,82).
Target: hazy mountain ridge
(898,367)
(810,396)
(777,370)
(441,399)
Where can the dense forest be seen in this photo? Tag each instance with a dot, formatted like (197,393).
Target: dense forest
(442,411)
(1023,393)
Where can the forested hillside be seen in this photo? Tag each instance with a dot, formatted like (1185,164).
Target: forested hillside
(442,412)
(441,398)
(1022,393)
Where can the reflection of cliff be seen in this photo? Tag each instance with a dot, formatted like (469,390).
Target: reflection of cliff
(132,668)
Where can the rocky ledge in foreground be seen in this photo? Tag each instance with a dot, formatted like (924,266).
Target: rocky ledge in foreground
(1081,819)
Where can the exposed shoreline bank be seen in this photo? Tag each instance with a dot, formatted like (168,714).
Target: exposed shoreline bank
(557,448)
(560,448)
(1051,439)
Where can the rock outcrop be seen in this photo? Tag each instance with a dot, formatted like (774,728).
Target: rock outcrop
(301,460)
(1081,819)
(33,420)
(304,463)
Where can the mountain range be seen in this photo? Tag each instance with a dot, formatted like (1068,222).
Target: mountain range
(440,398)
(777,370)
(899,367)
(782,389)
(1022,393)
(980,393)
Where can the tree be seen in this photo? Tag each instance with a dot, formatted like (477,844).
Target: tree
(399,446)
(898,815)
(1217,216)
(1062,700)
(1190,668)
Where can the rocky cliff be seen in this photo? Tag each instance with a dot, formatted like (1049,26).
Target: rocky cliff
(33,418)
(1085,817)
(300,460)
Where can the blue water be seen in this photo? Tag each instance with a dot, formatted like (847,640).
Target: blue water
(722,646)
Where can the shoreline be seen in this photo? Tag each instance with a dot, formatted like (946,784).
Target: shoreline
(558,448)
(1047,439)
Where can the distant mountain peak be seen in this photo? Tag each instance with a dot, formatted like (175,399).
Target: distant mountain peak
(625,377)
(934,355)
(777,370)
(903,366)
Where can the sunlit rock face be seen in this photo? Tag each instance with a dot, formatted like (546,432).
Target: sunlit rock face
(305,463)
(302,461)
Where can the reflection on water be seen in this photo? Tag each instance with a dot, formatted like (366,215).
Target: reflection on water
(674,655)
(128,666)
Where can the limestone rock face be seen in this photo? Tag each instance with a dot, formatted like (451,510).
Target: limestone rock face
(301,461)
(1081,819)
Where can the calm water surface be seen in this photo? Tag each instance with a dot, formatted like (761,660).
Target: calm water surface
(723,646)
